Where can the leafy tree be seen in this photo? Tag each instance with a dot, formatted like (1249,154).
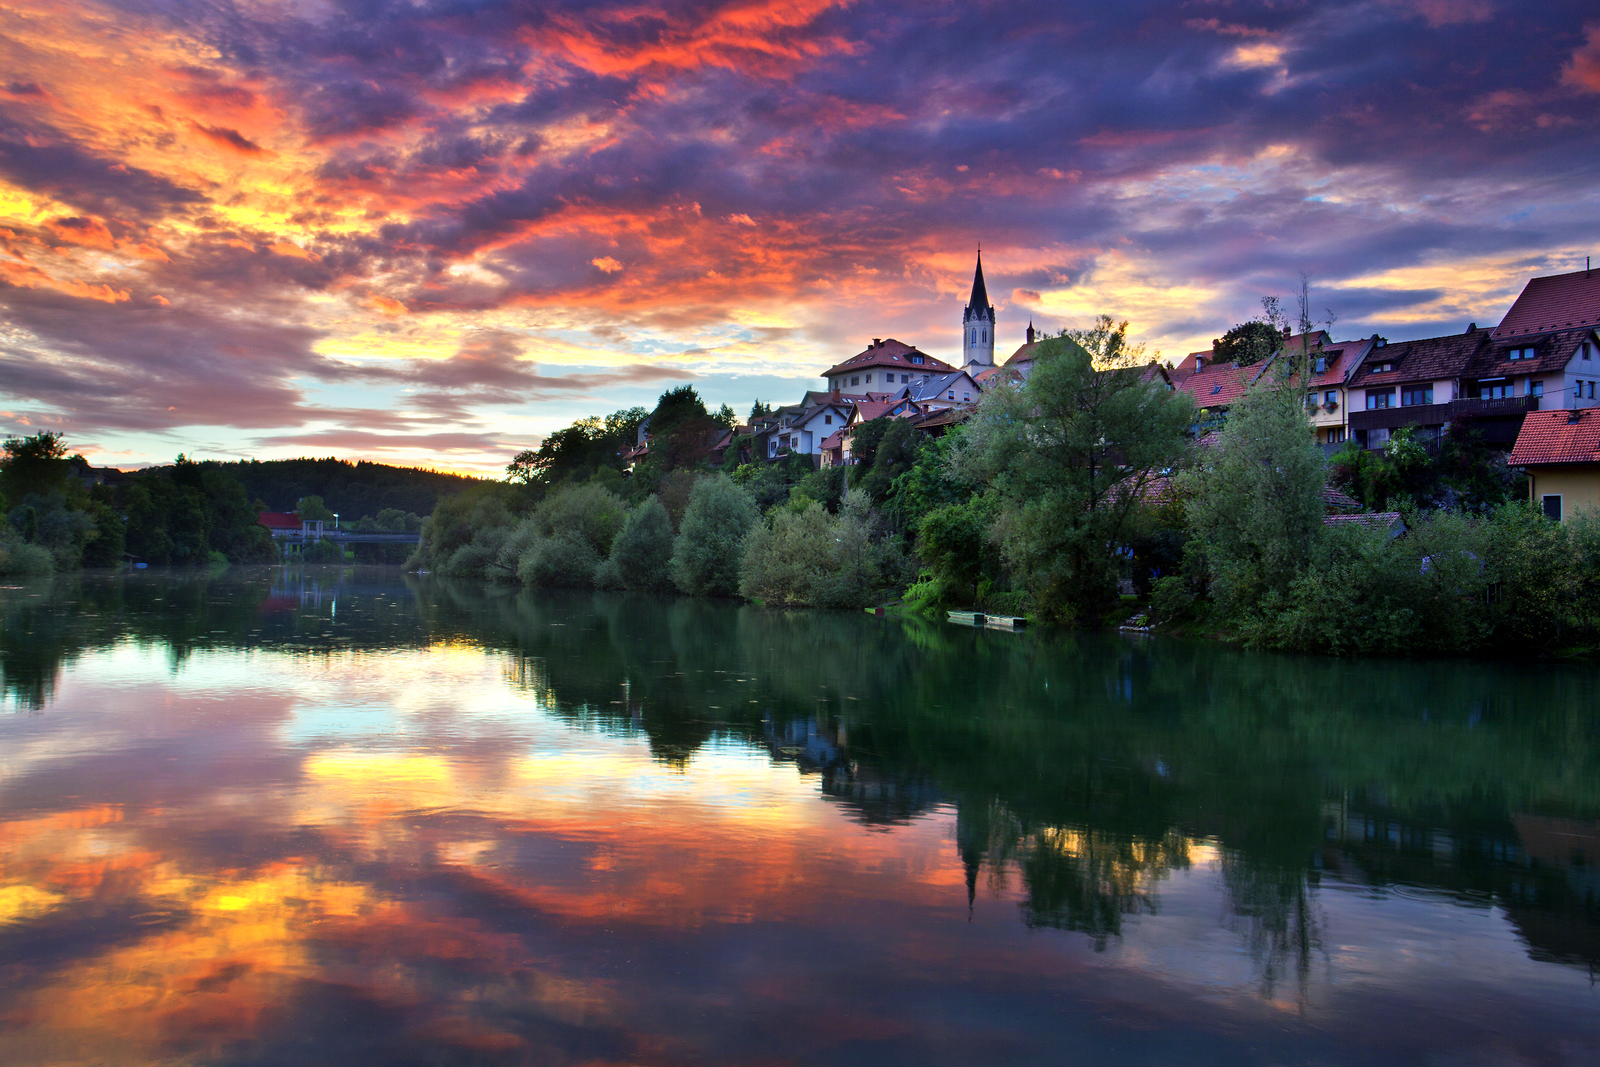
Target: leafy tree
(1257,510)
(725,418)
(643,550)
(1247,343)
(1070,456)
(758,409)
(894,453)
(34,466)
(310,508)
(710,544)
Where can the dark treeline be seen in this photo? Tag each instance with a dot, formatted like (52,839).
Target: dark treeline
(1085,765)
(353,490)
(58,514)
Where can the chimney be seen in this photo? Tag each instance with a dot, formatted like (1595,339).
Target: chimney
(1287,333)
(1199,363)
(1471,326)
(876,342)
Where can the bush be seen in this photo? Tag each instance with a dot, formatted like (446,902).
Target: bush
(1172,599)
(814,559)
(26,561)
(565,560)
(643,550)
(328,552)
(710,544)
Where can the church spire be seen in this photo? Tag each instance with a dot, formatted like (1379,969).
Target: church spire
(980,295)
(977,323)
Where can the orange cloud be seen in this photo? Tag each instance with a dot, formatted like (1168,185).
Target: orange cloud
(1583,69)
(87,231)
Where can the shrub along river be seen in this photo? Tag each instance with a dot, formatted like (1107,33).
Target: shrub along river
(341,816)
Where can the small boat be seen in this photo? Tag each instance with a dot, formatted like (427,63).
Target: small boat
(1005,622)
(967,618)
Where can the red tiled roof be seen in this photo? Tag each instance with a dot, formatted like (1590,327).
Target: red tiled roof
(1339,500)
(279,520)
(1026,352)
(1554,302)
(1212,385)
(890,353)
(1551,437)
(833,440)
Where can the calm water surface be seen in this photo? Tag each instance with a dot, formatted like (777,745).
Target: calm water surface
(325,816)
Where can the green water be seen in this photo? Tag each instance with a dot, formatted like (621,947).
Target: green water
(331,816)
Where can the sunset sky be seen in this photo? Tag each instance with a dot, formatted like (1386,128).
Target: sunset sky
(429,232)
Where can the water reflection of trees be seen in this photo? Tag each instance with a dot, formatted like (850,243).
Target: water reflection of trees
(1084,766)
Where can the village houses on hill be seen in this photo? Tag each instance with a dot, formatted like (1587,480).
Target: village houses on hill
(1543,359)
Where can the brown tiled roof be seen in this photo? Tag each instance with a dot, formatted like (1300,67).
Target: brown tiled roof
(890,353)
(1551,437)
(1426,360)
(1381,519)
(1554,302)
(1550,354)
(945,417)
(279,520)
(1337,499)
(1025,352)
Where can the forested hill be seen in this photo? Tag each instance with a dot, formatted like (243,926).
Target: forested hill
(351,489)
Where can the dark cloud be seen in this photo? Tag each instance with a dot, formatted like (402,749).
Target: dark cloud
(49,162)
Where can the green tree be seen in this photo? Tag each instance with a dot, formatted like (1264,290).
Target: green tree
(34,466)
(1247,343)
(642,553)
(309,508)
(1257,509)
(1070,456)
(710,544)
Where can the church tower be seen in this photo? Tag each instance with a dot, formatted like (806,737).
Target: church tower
(977,324)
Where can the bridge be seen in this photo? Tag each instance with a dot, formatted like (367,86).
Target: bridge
(345,537)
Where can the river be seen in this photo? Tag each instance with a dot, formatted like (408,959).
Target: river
(348,816)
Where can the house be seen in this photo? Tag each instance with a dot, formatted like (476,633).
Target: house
(282,524)
(883,366)
(1390,522)
(942,391)
(1491,381)
(1214,386)
(1419,384)
(804,426)
(1560,451)
(1330,365)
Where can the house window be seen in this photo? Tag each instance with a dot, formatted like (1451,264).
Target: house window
(1496,389)
(1331,396)
(904,378)
(916,359)
(1379,398)
(1587,350)
(1416,394)
(1336,435)
(856,380)
(1311,400)
(952,394)
(1591,391)
(966,397)
(869,379)
(1536,389)
(1520,353)
(985,336)
(827,420)
(1552,506)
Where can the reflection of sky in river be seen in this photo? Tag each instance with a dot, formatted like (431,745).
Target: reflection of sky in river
(401,857)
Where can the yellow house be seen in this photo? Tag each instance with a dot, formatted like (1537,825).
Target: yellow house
(1560,450)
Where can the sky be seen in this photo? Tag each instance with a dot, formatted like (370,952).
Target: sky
(430,232)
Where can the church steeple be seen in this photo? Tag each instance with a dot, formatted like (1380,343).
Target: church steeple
(977,323)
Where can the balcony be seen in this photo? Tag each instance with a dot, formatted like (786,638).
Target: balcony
(1441,414)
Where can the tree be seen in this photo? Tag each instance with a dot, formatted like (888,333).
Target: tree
(1070,456)
(1247,343)
(725,418)
(894,453)
(806,559)
(758,409)
(1257,510)
(710,544)
(312,509)
(642,553)
(35,465)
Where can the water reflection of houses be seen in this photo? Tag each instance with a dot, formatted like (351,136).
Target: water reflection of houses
(1543,871)
(819,747)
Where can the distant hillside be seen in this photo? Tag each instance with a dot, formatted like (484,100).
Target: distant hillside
(351,489)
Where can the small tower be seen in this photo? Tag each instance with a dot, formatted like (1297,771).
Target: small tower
(977,324)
